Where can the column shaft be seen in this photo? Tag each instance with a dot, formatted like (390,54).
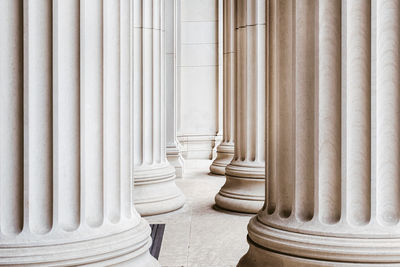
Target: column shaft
(333,131)
(244,187)
(225,150)
(155,190)
(172,18)
(65,117)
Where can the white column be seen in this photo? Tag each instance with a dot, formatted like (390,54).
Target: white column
(333,168)
(226,149)
(172,18)
(65,127)
(155,190)
(220,89)
(243,190)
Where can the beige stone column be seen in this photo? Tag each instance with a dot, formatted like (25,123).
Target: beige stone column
(155,190)
(243,190)
(65,157)
(225,150)
(333,154)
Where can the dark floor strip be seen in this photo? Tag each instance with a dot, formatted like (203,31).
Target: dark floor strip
(157,233)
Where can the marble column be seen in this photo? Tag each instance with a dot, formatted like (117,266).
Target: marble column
(155,190)
(65,157)
(243,190)
(333,191)
(174,155)
(225,150)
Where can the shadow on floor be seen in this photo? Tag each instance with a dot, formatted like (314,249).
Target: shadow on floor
(216,208)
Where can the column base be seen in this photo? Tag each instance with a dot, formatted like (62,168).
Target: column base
(127,248)
(225,152)
(176,160)
(244,189)
(155,190)
(261,257)
(270,246)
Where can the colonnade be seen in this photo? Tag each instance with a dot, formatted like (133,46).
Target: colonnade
(311,131)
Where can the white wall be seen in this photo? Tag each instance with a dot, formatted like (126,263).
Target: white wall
(198,73)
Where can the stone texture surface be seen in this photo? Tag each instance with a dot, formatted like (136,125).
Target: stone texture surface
(245,175)
(200,234)
(173,148)
(65,127)
(225,150)
(198,103)
(333,132)
(154,188)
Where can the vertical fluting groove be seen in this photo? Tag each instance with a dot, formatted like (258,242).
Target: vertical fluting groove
(82,85)
(284,106)
(251,85)
(157,82)
(243,94)
(329,109)
(238,71)
(38,114)
(259,102)
(66,114)
(125,98)
(241,79)
(11,117)
(343,73)
(228,76)
(251,89)
(316,112)
(137,83)
(388,110)
(261,93)
(374,186)
(154,84)
(148,88)
(271,182)
(112,105)
(358,91)
(92,111)
(237,81)
(162,69)
(305,108)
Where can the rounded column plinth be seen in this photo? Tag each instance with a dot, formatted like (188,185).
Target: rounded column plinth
(155,191)
(243,190)
(225,152)
(318,249)
(258,256)
(176,160)
(125,248)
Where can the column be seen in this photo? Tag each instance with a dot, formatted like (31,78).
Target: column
(174,156)
(225,150)
(65,127)
(333,191)
(243,190)
(155,190)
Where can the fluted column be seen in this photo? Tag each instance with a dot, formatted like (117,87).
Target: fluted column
(225,150)
(65,127)
(155,190)
(243,190)
(172,18)
(333,171)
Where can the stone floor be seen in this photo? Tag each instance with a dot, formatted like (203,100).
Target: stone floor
(200,235)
